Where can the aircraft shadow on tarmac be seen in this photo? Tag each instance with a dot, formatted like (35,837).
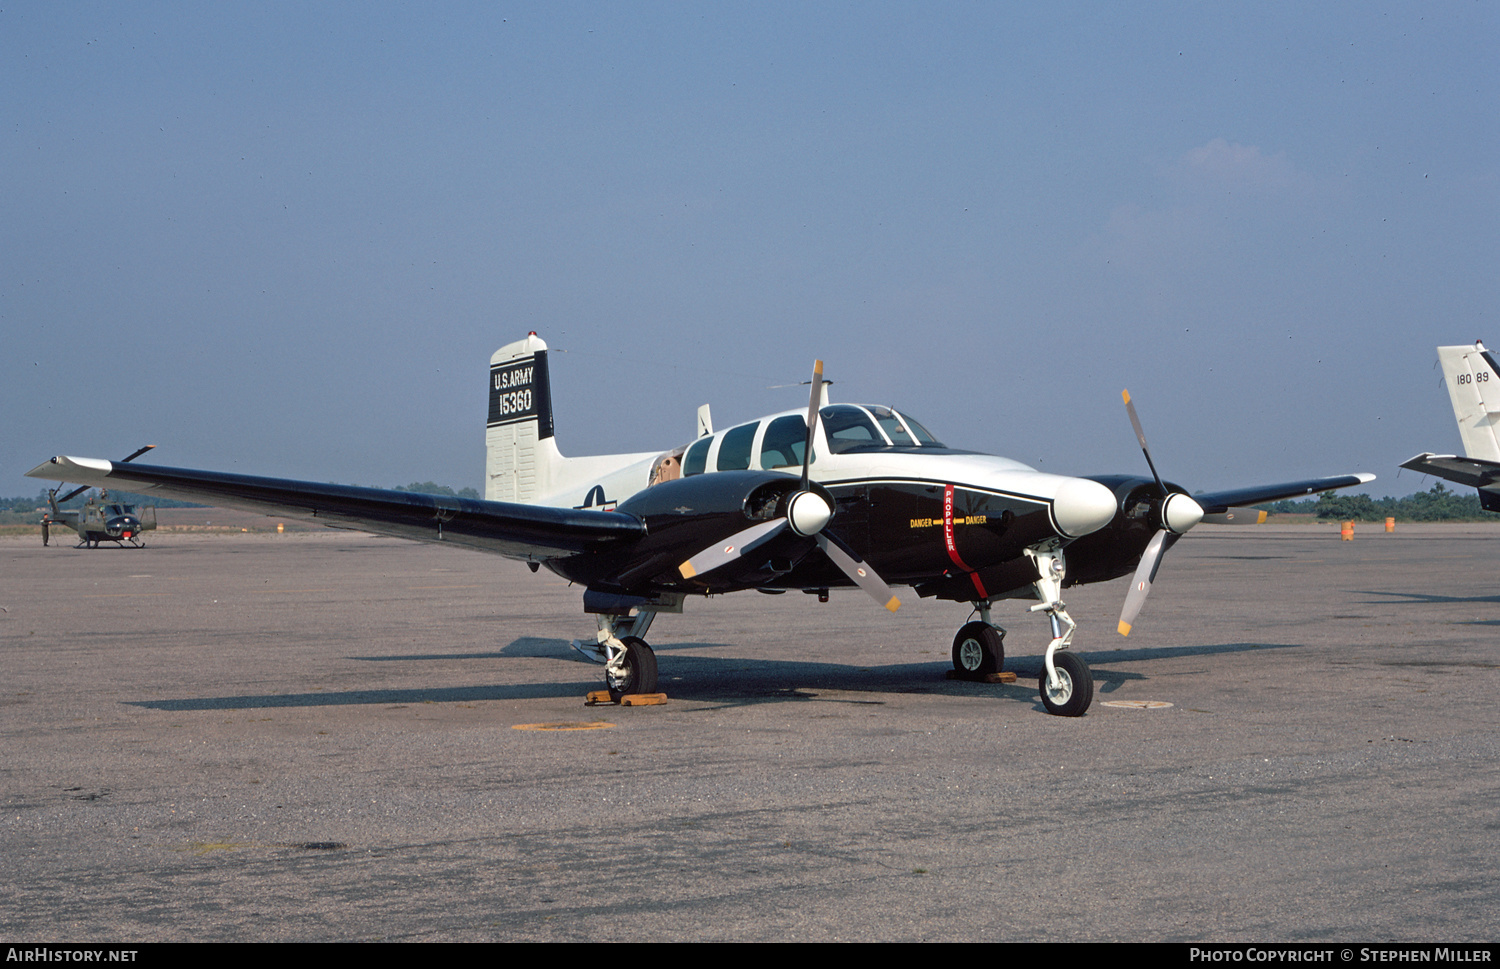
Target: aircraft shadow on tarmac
(1423,598)
(725,682)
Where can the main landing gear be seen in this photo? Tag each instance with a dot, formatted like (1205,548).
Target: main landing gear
(979,647)
(1066,686)
(629,664)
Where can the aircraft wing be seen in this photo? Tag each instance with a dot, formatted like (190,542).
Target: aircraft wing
(535,532)
(1474,472)
(1218,502)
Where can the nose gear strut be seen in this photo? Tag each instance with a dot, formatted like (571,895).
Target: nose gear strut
(1066,685)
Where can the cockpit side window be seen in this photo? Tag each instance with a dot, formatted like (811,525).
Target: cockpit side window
(847,426)
(734,450)
(696,459)
(785,440)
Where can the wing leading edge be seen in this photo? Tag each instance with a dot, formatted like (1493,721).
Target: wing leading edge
(1218,502)
(534,532)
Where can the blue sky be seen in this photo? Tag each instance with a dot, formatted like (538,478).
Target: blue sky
(285,238)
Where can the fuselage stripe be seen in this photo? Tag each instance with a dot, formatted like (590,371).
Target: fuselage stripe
(953,546)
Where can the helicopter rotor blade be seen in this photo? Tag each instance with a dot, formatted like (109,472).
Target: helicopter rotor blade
(74,493)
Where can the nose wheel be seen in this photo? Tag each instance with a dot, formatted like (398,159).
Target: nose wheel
(1066,685)
(1072,691)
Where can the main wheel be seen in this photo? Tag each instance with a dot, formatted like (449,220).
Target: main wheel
(979,648)
(639,674)
(1075,689)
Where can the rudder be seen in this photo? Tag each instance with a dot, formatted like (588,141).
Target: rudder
(518,438)
(1473,379)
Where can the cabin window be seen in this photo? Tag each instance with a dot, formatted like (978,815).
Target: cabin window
(734,450)
(785,440)
(696,459)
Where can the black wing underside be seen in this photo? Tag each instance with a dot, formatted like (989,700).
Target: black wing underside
(1218,502)
(519,531)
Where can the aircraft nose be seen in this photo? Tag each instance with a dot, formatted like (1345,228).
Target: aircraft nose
(1181,513)
(1083,506)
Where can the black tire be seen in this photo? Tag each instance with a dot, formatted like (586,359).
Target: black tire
(639,675)
(979,648)
(1076,691)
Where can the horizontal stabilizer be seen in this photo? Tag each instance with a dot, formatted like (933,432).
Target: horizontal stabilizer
(1474,472)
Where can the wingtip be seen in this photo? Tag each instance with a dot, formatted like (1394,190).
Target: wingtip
(1365,478)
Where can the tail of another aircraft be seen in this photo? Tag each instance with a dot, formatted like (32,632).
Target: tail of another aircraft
(1473,379)
(522,461)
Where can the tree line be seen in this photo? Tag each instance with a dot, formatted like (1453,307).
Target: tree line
(1441,504)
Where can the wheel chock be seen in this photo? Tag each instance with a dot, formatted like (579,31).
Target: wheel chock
(1005,676)
(600,697)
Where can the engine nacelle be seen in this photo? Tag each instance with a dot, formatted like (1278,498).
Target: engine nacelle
(1115,549)
(687,515)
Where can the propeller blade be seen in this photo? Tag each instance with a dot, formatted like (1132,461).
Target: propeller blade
(1140,435)
(1145,574)
(74,493)
(862,575)
(735,546)
(812,418)
(137,453)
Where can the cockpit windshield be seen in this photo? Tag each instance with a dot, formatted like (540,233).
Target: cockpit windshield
(848,426)
(923,436)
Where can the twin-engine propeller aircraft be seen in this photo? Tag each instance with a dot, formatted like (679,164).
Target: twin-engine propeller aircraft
(840,495)
(100,519)
(1473,379)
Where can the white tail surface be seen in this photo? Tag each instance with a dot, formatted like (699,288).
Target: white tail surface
(1473,380)
(522,462)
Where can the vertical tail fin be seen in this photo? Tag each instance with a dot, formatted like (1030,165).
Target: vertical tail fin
(1473,379)
(518,440)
